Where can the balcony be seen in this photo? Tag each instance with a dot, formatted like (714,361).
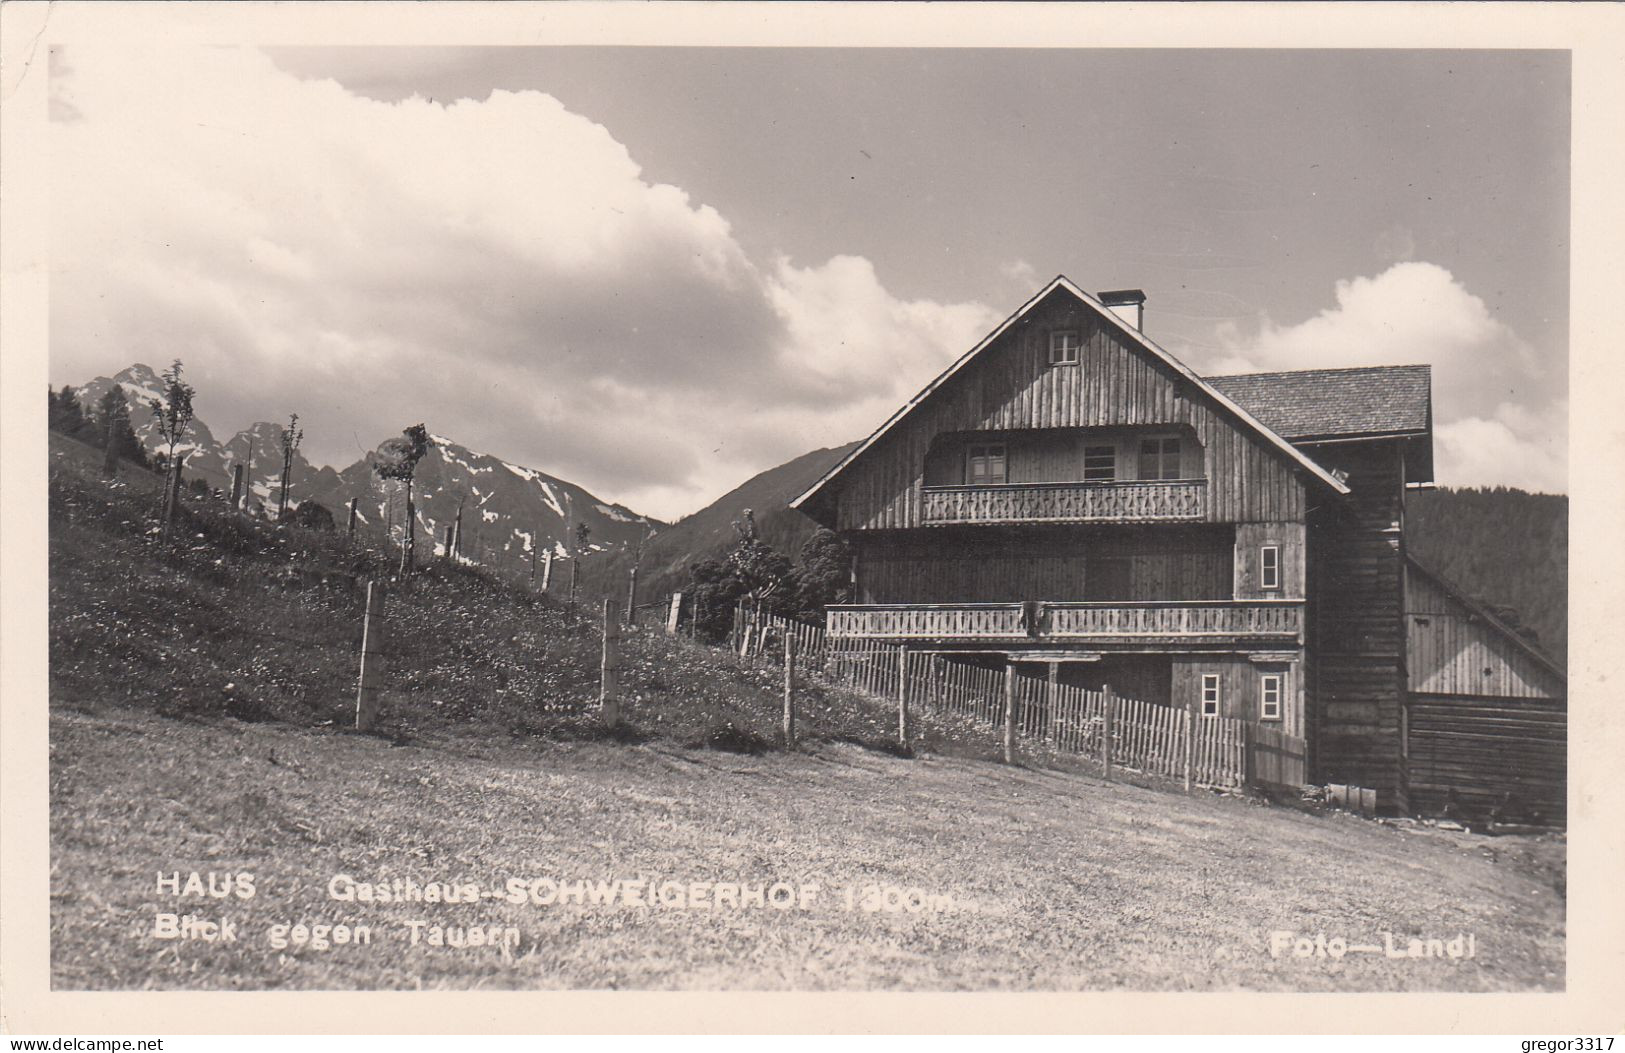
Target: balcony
(1171,623)
(1107,502)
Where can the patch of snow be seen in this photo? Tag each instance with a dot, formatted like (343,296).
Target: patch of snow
(552,499)
(617,515)
(489,517)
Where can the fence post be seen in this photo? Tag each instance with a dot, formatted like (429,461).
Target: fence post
(349,537)
(675,615)
(236,489)
(372,658)
(1054,701)
(903,730)
(575,571)
(609,678)
(547,569)
(1246,754)
(533,543)
(632,598)
(789,691)
(447,542)
(1190,741)
(1109,703)
(1009,712)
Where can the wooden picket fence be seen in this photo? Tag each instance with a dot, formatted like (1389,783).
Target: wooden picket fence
(1141,736)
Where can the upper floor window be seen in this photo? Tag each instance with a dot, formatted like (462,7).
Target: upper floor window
(1159,458)
(1269,697)
(1210,694)
(1269,567)
(1063,347)
(985,466)
(1099,463)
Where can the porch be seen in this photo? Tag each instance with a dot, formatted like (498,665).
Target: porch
(1070,502)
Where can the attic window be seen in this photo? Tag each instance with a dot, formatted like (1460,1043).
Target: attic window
(985,466)
(1063,347)
(1159,458)
(1099,463)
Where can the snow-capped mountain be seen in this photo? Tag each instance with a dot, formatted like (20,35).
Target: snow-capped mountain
(507,508)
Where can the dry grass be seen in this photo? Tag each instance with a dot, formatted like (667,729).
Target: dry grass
(1059,881)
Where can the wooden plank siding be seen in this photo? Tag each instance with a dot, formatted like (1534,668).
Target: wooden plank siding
(1355,616)
(1057,563)
(1012,387)
(1454,650)
(1477,757)
(1240,688)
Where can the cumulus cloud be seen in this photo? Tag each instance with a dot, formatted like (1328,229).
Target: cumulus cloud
(1501,413)
(498,268)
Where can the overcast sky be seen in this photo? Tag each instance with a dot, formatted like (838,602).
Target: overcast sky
(657,271)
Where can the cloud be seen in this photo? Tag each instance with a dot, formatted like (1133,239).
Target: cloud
(498,268)
(1491,392)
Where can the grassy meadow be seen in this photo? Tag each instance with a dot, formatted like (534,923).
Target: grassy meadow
(200,692)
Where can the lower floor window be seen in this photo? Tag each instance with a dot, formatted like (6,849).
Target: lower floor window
(1210,694)
(1269,697)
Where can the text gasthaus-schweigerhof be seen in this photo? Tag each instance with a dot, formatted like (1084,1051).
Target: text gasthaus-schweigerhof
(200,907)
(650,893)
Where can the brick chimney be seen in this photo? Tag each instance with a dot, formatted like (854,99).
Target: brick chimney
(1127,304)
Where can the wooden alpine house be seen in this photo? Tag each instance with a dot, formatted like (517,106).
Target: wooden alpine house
(1070,498)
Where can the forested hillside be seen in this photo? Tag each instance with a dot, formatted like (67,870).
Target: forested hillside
(1508,548)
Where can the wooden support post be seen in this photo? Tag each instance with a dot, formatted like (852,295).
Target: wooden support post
(609,679)
(446,545)
(674,615)
(632,597)
(534,541)
(575,576)
(1010,712)
(1190,742)
(789,692)
(236,489)
(457,533)
(904,732)
(372,658)
(350,530)
(547,571)
(1109,704)
(409,554)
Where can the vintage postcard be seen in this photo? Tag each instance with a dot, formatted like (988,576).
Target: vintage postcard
(830,502)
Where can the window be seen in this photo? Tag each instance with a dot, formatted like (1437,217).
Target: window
(1099,463)
(1063,347)
(1210,694)
(1269,567)
(985,466)
(1269,697)
(1159,458)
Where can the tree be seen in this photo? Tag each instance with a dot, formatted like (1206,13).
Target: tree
(65,414)
(583,539)
(762,569)
(823,574)
(398,459)
(292,435)
(173,414)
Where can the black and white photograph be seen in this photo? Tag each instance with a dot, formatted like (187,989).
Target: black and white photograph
(637,516)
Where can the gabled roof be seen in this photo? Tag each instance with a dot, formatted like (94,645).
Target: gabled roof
(1518,640)
(1135,337)
(1325,403)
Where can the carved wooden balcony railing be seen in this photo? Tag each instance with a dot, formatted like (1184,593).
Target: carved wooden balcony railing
(1208,621)
(1116,502)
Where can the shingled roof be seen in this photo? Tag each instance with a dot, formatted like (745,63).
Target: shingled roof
(1323,403)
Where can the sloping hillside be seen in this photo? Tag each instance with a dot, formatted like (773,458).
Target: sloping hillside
(709,533)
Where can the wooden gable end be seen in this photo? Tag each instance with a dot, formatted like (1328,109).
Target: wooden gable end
(1453,648)
(1011,385)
